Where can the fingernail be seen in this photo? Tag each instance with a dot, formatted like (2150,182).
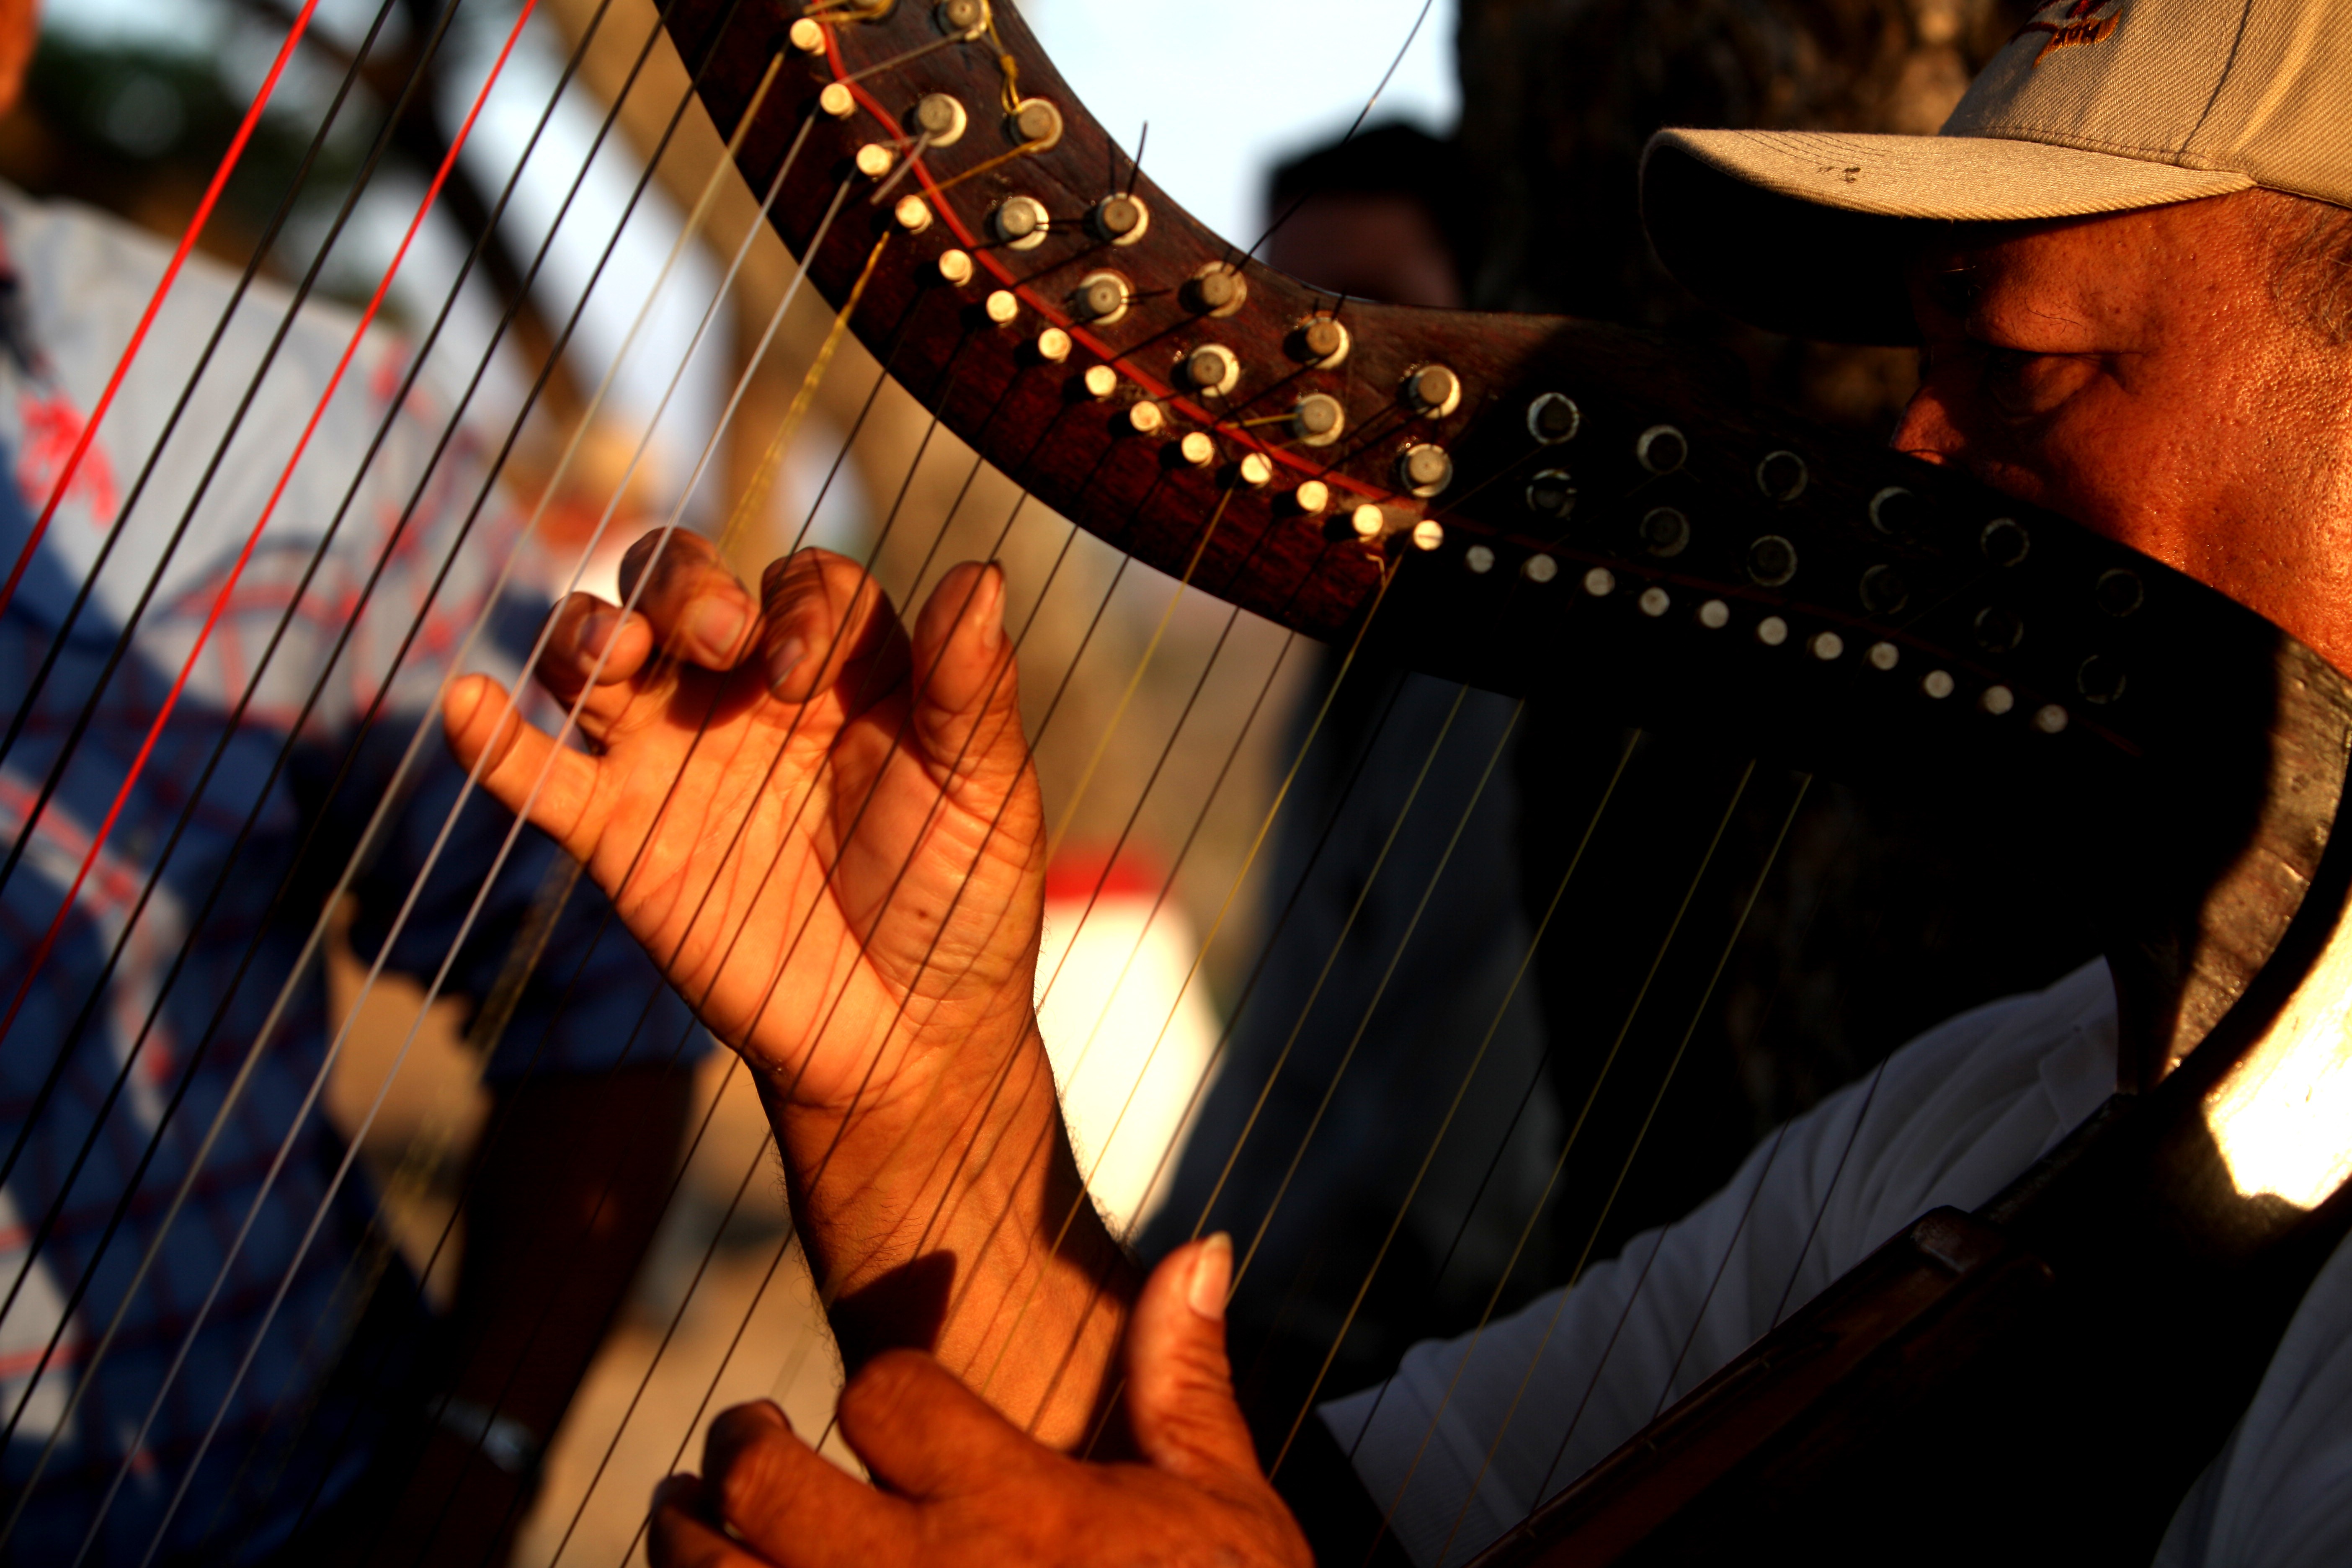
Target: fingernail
(988,607)
(596,630)
(718,624)
(1212,1276)
(783,661)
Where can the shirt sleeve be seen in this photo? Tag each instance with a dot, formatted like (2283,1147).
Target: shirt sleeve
(1469,1435)
(2279,1494)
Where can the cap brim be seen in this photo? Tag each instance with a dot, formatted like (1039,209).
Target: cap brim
(1809,232)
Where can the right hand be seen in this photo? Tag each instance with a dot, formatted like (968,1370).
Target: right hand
(967,1489)
(826,830)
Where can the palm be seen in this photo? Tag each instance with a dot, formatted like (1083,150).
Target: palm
(837,884)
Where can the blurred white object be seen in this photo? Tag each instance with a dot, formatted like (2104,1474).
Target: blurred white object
(1131,1043)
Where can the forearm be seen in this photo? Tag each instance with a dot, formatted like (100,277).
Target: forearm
(955,1221)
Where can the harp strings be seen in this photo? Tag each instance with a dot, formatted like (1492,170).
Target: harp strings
(433,988)
(50,1084)
(204,1042)
(1196,966)
(197,223)
(1649,1119)
(423,728)
(1454,1108)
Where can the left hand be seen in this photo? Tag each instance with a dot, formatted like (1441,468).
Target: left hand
(965,1486)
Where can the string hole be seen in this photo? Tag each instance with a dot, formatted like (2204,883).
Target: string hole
(1551,493)
(2005,542)
(1771,560)
(1781,477)
(1553,418)
(1665,531)
(2119,592)
(1661,449)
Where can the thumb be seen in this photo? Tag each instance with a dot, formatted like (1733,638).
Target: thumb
(1180,1387)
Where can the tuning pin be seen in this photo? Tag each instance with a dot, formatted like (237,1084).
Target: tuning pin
(1257,470)
(807,35)
(1037,123)
(1313,497)
(836,100)
(1323,342)
(955,266)
(941,118)
(913,212)
(874,160)
(1002,306)
(1020,222)
(1119,219)
(1101,380)
(1053,345)
(1197,448)
(1144,418)
(1319,419)
(1216,290)
(1212,370)
(1428,533)
(961,18)
(1432,390)
(1368,522)
(1102,297)
(1424,470)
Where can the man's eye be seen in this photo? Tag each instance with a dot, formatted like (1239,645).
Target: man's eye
(2023,386)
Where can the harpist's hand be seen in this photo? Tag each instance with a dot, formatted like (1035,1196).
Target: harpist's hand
(826,831)
(968,1490)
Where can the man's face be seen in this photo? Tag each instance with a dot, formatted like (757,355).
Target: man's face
(2137,374)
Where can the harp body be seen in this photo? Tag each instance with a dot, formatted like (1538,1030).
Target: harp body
(1531,504)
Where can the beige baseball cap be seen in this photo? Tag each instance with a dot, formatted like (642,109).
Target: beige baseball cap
(2094,106)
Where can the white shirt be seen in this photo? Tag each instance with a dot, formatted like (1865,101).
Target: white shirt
(1471,1434)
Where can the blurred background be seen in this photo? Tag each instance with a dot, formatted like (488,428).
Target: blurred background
(1495,168)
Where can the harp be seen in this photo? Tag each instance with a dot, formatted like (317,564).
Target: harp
(1400,482)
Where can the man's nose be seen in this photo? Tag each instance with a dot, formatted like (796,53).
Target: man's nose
(1927,430)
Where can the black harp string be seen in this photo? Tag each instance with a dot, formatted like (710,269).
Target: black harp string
(1437,748)
(1625,1167)
(1462,1092)
(407,643)
(1568,1146)
(1208,1068)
